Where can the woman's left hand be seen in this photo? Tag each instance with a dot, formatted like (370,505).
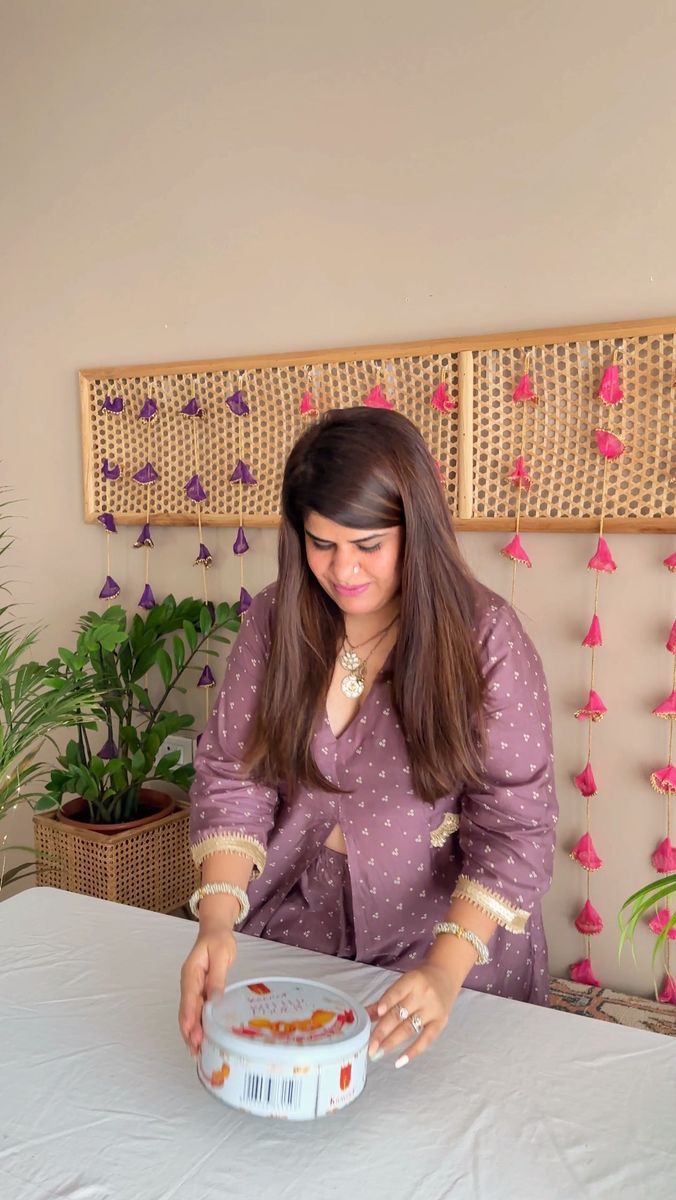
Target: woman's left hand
(427,993)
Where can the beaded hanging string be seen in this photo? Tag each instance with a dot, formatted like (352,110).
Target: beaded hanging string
(377,396)
(144,541)
(589,921)
(192,411)
(663,858)
(444,403)
(204,557)
(242,476)
(112,406)
(308,406)
(524,393)
(146,476)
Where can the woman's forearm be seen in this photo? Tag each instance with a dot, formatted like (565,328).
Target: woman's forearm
(453,954)
(222,910)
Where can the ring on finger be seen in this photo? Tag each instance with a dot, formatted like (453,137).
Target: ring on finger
(403,1013)
(417,1023)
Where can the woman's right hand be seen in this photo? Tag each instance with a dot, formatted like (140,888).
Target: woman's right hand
(203,973)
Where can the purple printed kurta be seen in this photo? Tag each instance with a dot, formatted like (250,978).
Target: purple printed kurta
(406,858)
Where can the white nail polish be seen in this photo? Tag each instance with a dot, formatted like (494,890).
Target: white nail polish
(401,1062)
(378,1055)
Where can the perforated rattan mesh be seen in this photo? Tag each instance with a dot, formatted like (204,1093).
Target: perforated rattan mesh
(149,867)
(559,443)
(560,447)
(267,433)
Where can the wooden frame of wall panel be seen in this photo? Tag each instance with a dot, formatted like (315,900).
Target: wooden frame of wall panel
(466,348)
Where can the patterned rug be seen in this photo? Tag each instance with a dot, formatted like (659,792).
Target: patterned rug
(606,1005)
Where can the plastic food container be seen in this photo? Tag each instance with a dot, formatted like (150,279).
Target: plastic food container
(284,1047)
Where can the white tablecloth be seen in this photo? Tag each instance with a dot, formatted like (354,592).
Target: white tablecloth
(99,1099)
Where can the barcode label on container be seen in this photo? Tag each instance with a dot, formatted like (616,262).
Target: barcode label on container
(272,1092)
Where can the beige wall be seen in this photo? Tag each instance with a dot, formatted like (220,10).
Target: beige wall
(205,177)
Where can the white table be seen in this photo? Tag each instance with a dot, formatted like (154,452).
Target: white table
(99,1099)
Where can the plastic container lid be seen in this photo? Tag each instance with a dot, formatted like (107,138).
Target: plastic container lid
(273,1019)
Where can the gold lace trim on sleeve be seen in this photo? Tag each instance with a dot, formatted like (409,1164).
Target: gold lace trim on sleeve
(508,915)
(449,825)
(233,843)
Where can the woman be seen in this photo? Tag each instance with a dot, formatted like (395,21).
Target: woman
(377,773)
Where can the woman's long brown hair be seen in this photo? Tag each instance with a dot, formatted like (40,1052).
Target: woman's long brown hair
(370,469)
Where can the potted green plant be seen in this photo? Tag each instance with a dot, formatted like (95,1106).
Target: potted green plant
(639,905)
(104,796)
(33,705)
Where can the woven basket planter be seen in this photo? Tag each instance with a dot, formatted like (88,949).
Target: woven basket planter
(148,867)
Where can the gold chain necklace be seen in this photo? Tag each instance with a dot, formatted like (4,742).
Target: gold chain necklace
(352,685)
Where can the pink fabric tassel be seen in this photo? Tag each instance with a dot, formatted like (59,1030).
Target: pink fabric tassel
(585,782)
(593,709)
(593,637)
(307,407)
(668,993)
(660,922)
(667,708)
(524,389)
(581,972)
(609,389)
(664,858)
(608,445)
(519,475)
(588,920)
(516,552)
(670,562)
(671,640)
(440,474)
(585,854)
(377,398)
(441,399)
(664,780)
(603,559)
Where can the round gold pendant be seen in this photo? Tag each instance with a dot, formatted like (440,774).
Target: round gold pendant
(352,687)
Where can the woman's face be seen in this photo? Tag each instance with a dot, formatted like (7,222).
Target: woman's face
(359,568)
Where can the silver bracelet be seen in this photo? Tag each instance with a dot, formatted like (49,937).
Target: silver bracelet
(483,957)
(215,889)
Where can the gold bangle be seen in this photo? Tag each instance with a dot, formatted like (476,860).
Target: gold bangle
(215,889)
(483,957)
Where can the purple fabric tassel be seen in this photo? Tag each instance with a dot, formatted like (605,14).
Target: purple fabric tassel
(147,474)
(206,679)
(108,750)
(108,522)
(237,404)
(110,589)
(149,410)
(245,602)
(147,599)
(240,544)
(144,539)
(192,408)
(204,558)
(110,472)
(241,473)
(194,489)
(113,404)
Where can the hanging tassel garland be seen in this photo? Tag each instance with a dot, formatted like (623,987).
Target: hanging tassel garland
(581,972)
